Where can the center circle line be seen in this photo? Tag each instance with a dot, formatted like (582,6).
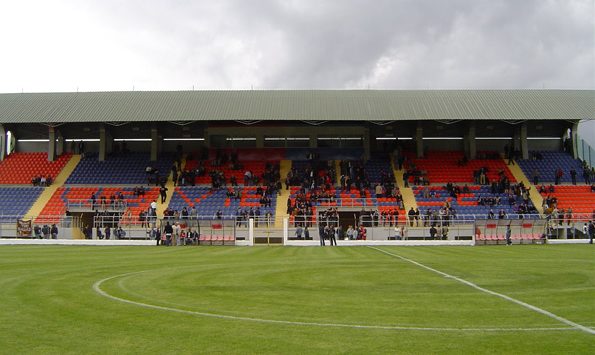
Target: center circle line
(97,288)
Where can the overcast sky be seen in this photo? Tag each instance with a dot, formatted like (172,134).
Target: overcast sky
(98,45)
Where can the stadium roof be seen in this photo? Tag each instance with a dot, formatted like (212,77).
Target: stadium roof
(301,105)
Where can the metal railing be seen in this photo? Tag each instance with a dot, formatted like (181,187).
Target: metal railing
(462,227)
(101,205)
(351,202)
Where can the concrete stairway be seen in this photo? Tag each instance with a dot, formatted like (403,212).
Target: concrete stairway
(49,191)
(533,193)
(281,207)
(406,192)
(169,185)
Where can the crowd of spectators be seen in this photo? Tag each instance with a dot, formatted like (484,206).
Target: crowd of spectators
(116,201)
(41,180)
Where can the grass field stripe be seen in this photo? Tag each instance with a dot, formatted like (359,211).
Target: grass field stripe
(485,290)
(97,289)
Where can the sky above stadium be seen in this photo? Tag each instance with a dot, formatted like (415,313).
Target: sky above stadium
(106,45)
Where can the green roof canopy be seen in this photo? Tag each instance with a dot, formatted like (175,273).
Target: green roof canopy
(303,105)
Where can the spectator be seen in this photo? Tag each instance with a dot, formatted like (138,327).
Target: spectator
(573,176)
(559,174)
(433,232)
(37,232)
(535,175)
(45,230)
(298,232)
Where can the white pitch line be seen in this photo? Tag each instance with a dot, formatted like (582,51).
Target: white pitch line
(485,290)
(97,289)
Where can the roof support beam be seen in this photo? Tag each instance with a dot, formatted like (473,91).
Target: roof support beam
(51,144)
(470,145)
(59,143)
(524,145)
(419,140)
(2,142)
(154,143)
(105,142)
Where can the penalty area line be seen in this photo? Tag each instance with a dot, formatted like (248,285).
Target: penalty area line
(97,288)
(493,293)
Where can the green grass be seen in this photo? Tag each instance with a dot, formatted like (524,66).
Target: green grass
(48,304)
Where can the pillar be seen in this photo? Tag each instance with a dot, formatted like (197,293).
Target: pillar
(419,140)
(2,142)
(285,230)
(259,141)
(524,146)
(59,143)
(574,137)
(104,142)
(366,143)
(313,140)
(51,144)
(470,143)
(251,231)
(154,143)
(516,137)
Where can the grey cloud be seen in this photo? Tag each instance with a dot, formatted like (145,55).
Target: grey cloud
(287,44)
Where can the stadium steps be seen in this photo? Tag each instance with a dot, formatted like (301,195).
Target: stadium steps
(281,207)
(408,198)
(169,185)
(519,175)
(49,191)
(397,173)
(407,192)
(337,172)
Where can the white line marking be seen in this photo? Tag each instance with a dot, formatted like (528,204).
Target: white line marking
(97,288)
(508,298)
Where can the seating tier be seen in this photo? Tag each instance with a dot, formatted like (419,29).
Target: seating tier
(443,167)
(550,162)
(122,169)
(16,201)
(465,203)
(579,198)
(81,196)
(21,168)
(207,201)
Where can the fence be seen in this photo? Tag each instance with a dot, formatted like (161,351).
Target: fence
(228,229)
(9,225)
(101,205)
(585,152)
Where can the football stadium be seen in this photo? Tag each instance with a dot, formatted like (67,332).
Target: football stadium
(297,221)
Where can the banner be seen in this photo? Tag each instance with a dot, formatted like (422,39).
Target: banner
(24,229)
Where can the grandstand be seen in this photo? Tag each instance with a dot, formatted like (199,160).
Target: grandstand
(366,157)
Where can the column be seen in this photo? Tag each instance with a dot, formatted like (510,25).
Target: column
(471,143)
(523,141)
(516,137)
(259,141)
(285,230)
(59,143)
(419,142)
(52,144)
(366,143)
(251,231)
(102,143)
(574,142)
(313,140)
(154,143)
(2,142)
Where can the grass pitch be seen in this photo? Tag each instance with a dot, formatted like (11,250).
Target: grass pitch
(295,300)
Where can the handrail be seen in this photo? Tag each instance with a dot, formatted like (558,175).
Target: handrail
(118,205)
